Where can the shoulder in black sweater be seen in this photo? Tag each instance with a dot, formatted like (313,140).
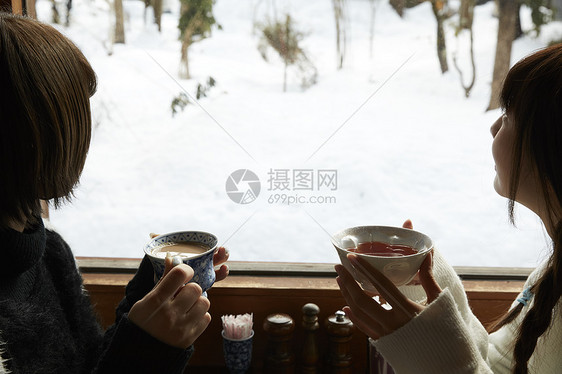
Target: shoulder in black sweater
(47,324)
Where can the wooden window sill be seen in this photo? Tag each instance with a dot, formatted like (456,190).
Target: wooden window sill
(266,288)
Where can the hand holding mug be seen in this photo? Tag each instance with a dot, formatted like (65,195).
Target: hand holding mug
(174,312)
(366,313)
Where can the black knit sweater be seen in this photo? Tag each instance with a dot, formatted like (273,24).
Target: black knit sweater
(47,324)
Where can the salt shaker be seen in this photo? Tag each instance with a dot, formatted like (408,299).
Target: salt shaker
(279,356)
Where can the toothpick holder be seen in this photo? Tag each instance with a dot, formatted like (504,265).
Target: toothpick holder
(237,353)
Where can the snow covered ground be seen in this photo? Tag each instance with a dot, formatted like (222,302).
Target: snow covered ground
(404,140)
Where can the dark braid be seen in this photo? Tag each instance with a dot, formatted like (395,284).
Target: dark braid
(547,293)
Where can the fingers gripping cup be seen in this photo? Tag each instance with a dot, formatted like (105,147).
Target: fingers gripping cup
(394,251)
(196,249)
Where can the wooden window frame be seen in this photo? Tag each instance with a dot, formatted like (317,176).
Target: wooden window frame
(17,6)
(20,7)
(264,288)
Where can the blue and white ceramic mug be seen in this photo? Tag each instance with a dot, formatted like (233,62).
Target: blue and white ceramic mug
(202,264)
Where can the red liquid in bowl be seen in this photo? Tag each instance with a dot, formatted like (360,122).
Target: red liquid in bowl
(383,249)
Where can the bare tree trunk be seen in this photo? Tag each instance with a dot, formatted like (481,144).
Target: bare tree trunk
(187,40)
(506,32)
(184,62)
(437,7)
(146,6)
(285,78)
(284,44)
(557,5)
(339,15)
(466,18)
(68,9)
(157,6)
(467,88)
(119,24)
(518,29)
(372,27)
(55,17)
(466,14)
(111,29)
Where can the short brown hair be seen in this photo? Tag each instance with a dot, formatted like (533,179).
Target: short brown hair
(45,121)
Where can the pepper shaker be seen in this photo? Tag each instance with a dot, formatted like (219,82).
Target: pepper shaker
(310,351)
(340,331)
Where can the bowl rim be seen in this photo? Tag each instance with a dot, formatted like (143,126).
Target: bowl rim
(212,249)
(423,251)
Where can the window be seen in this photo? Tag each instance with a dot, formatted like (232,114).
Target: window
(386,137)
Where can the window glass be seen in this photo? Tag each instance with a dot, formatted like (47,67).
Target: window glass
(385,137)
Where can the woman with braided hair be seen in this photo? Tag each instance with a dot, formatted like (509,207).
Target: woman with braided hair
(444,336)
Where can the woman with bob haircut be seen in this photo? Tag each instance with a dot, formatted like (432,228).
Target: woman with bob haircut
(47,324)
(444,336)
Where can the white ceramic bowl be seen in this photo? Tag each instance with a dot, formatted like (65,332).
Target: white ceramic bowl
(400,269)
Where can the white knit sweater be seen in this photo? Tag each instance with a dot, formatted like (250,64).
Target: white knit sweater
(447,338)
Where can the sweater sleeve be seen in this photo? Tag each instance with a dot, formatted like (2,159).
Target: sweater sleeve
(124,348)
(141,284)
(435,341)
(445,338)
(132,350)
(129,348)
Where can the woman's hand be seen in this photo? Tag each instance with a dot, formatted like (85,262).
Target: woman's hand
(366,313)
(416,281)
(219,258)
(408,224)
(173,312)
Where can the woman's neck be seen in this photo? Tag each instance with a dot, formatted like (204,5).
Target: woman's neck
(550,221)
